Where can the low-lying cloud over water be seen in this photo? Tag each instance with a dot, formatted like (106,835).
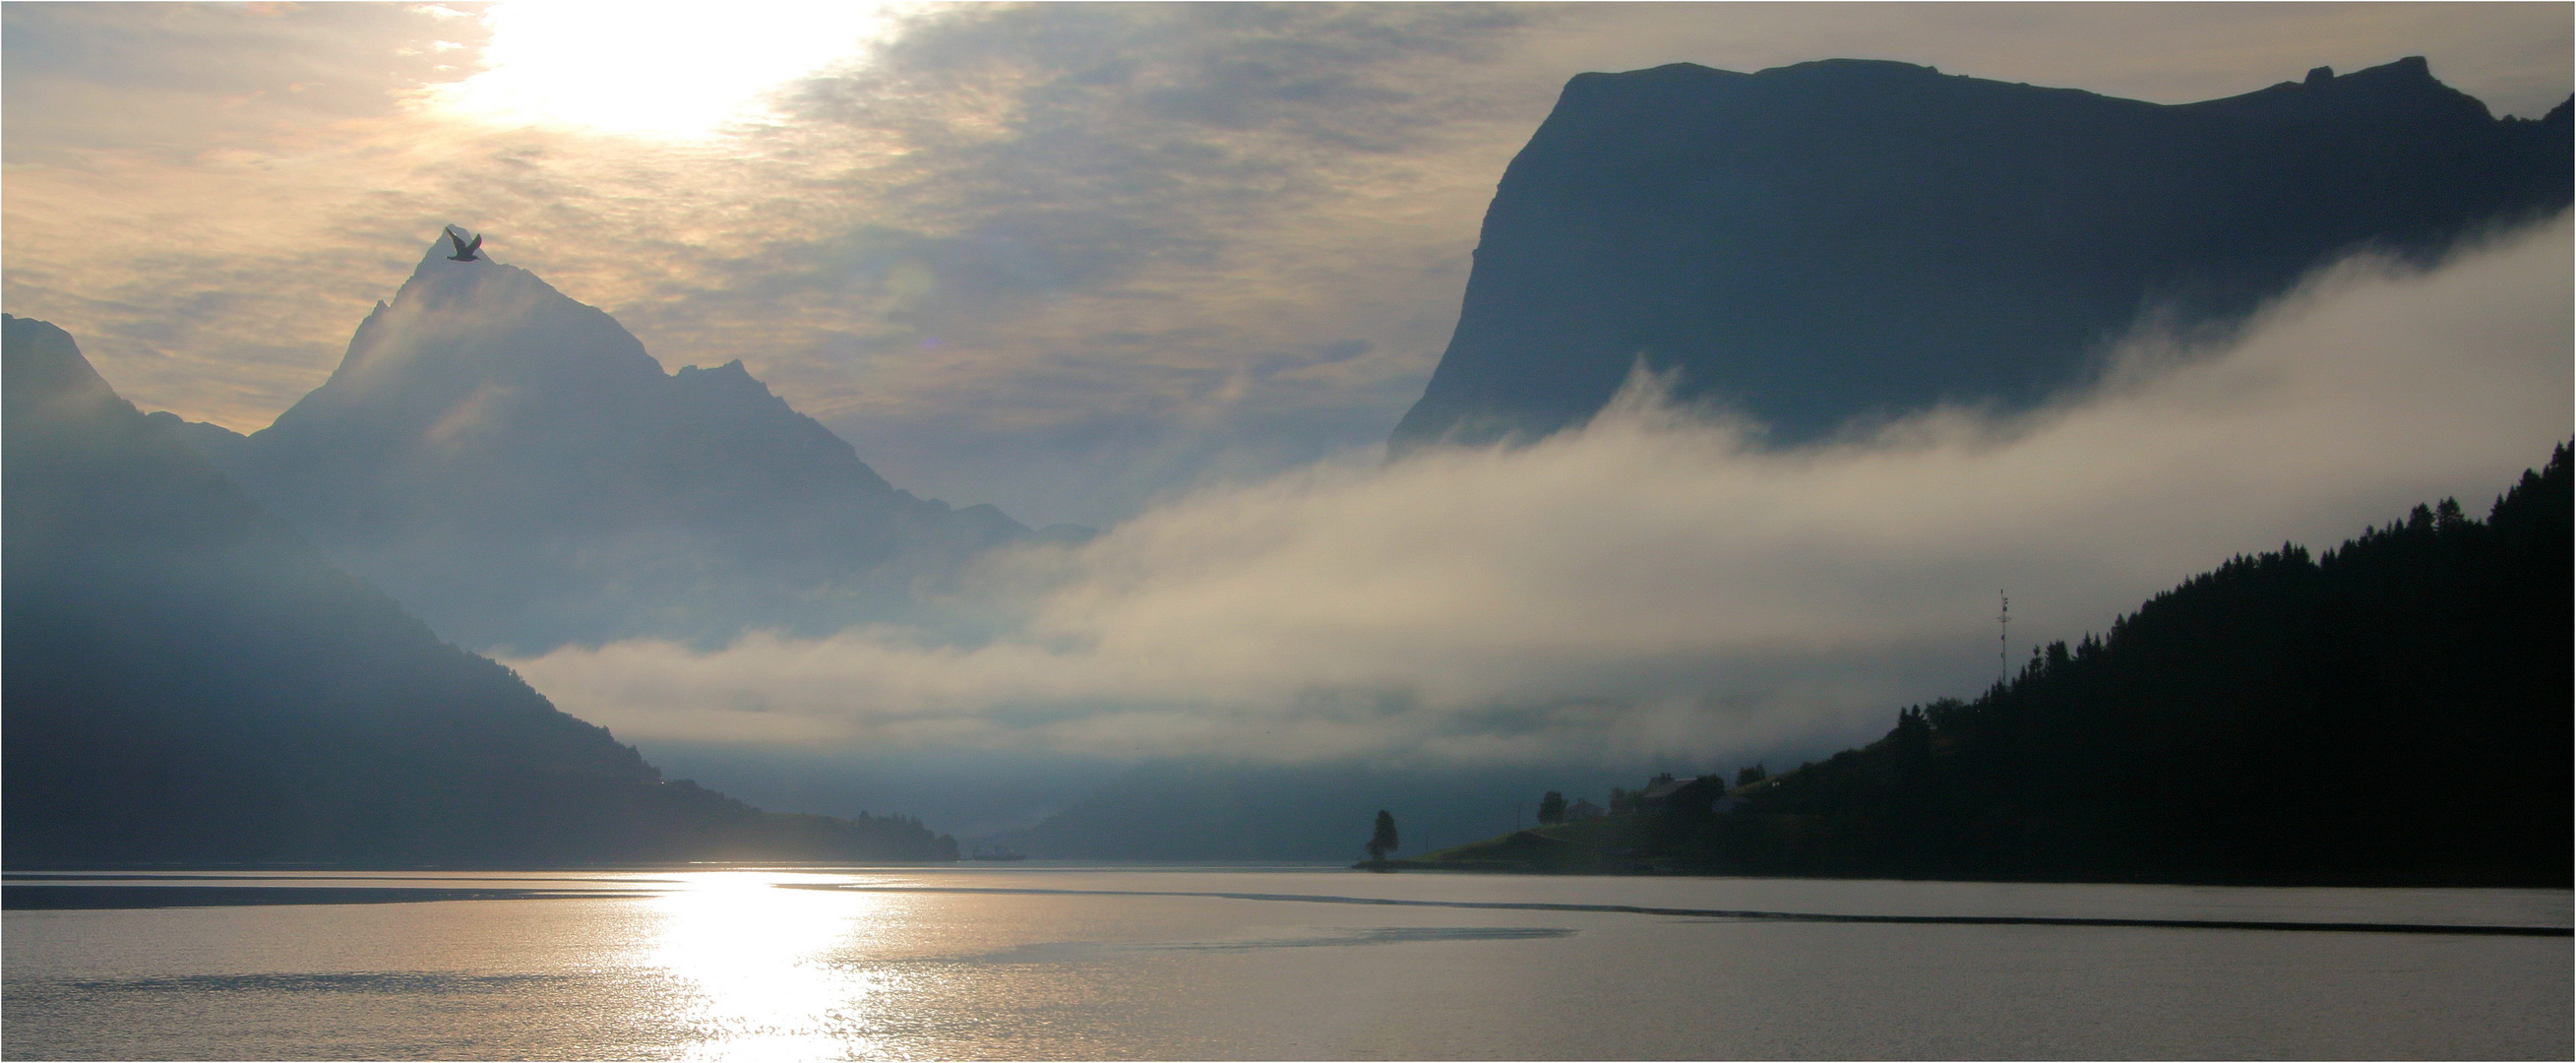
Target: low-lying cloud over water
(1657,585)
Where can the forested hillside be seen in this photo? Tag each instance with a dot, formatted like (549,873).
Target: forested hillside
(2395,711)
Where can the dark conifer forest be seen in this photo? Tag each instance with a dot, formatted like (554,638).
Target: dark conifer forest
(2395,710)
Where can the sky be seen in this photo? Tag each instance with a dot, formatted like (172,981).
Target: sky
(1066,259)
(1175,272)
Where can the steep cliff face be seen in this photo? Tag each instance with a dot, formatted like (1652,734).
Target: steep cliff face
(514,467)
(189,681)
(1843,239)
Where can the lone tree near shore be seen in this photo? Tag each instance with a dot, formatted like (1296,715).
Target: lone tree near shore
(1551,808)
(1382,840)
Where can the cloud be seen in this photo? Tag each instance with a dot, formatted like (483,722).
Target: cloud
(182,193)
(1010,230)
(186,79)
(1654,585)
(1098,227)
(1065,258)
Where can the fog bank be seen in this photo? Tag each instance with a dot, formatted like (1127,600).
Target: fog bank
(1657,585)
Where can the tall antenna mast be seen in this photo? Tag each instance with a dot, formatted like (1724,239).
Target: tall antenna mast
(2003,639)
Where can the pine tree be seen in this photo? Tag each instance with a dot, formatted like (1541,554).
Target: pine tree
(1383,840)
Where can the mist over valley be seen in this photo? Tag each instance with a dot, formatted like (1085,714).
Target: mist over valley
(925,535)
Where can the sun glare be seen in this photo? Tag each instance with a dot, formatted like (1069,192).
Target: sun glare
(752,963)
(651,67)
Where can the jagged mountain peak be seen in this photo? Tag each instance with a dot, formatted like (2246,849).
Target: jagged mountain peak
(441,277)
(515,467)
(453,326)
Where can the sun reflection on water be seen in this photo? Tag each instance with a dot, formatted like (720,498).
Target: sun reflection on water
(752,971)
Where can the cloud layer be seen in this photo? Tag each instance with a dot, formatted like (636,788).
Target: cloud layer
(1065,258)
(1652,586)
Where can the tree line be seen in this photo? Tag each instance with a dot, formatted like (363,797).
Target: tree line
(2396,710)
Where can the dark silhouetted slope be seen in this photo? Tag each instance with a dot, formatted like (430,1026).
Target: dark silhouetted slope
(1850,238)
(188,681)
(512,466)
(2396,711)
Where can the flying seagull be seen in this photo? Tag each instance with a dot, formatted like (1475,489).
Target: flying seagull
(464,250)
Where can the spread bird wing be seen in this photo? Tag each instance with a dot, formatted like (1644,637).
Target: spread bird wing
(477,245)
(459,241)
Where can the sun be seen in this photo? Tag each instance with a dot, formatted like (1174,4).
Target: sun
(653,68)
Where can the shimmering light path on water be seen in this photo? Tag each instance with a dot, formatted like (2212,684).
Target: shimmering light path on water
(1198,963)
(1785,917)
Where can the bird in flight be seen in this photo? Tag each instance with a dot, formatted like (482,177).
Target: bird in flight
(464,250)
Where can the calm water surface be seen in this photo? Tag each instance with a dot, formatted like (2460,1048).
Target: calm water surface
(1160,963)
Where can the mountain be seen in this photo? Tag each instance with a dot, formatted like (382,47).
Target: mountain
(188,681)
(512,466)
(2395,712)
(1856,239)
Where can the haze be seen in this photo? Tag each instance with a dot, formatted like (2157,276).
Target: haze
(1173,272)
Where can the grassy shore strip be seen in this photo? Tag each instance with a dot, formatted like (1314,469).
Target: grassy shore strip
(1742,914)
(29,897)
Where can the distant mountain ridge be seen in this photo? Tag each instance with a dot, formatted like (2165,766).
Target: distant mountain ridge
(1855,239)
(187,681)
(513,466)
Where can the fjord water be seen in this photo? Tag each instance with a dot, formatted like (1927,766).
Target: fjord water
(1266,963)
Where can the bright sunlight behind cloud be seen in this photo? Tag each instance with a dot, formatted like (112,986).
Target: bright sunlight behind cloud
(652,67)
(1654,586)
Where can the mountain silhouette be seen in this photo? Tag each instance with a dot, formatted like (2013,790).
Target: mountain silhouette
(2243,726)
(188,681)
(515,468)
(1855,239)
